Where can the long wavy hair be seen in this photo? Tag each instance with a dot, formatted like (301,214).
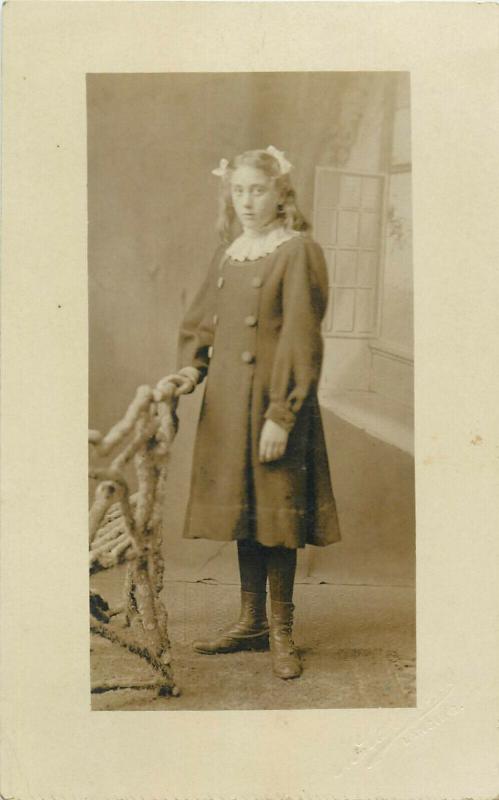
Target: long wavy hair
(287,209)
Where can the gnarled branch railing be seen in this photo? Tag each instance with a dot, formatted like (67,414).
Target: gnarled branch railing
(126,528)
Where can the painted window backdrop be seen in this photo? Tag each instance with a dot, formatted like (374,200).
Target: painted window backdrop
(348,212)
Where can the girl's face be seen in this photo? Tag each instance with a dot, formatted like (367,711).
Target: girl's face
(254,197)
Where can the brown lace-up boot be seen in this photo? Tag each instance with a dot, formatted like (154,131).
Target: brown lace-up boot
(250,632)
(285,660)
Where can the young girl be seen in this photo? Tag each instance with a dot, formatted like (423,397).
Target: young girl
(260,470)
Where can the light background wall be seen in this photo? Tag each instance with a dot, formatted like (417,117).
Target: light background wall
(152,143)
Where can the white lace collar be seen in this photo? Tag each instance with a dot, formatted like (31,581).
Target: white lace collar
(251,245)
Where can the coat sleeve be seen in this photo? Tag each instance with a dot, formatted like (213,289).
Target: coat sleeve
(298,358)
(196,331)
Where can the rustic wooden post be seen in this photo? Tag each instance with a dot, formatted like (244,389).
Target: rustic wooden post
(127,528)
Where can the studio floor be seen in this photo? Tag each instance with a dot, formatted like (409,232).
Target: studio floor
(357,645)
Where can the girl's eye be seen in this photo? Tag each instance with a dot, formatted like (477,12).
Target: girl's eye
(256,190)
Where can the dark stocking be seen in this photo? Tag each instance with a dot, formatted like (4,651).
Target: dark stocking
(252,567)
(281,568)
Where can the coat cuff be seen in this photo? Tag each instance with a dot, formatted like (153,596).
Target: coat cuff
(281,415)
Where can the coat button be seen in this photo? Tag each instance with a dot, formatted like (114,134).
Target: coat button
(250,321)
(215,319)
(210,351)
(247,357)
(256,282)
(220,282)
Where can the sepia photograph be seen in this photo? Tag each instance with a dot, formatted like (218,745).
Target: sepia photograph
(252,499)
(248,408)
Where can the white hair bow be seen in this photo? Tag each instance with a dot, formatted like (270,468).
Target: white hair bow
(221,169)
(284,164)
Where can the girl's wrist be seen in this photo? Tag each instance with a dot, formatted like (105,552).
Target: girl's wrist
(281,415)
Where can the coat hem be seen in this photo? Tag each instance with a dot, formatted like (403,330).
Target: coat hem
(276,528)
(265,543)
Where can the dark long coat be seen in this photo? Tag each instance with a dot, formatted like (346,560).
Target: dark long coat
(254,330)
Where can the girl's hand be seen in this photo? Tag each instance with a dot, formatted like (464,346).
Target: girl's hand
(273,441)
(182,383)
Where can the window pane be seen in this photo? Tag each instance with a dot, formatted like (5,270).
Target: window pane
(348,223)
(350,191)
(343,309)
(366,274)
(326,226)
(371,192)
(330,261)
(369,227)
(346,268)
(364,316)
